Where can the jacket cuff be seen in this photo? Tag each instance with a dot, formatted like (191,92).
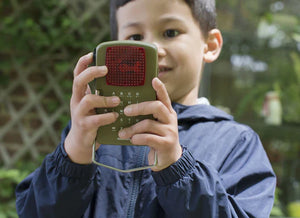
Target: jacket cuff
(70,169)
(175,171)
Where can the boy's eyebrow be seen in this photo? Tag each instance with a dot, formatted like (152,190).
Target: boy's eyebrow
(131,24)
(166,19)
(171,18)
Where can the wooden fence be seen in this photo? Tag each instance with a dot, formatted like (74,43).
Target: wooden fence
(34,105)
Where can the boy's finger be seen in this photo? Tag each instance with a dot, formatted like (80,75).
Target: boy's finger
(83,63)
(150,140)
(81,81)
(97,120)
(162,93)
(156,108)
(145,126)
(90,102)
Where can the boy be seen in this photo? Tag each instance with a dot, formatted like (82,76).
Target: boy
(208,165)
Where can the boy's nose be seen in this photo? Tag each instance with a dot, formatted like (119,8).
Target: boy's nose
(161,51)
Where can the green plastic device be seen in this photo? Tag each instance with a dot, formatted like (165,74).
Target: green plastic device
(131,67)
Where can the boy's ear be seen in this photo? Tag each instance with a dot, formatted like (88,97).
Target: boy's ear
(213,46)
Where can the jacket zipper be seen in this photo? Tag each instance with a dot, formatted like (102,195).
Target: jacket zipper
(137,176)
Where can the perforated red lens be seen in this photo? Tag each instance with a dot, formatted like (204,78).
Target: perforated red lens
(126,65)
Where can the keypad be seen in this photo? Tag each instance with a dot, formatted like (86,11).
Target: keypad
(123,121)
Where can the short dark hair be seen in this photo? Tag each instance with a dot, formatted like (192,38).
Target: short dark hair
(204,12)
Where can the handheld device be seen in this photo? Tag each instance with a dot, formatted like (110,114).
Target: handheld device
(131,67)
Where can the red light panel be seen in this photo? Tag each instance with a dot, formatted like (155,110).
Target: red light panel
(126,65)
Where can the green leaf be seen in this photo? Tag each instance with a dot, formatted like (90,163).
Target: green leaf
(296,61)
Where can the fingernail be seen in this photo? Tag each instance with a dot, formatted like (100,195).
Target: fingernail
(102,68)
(128,110)
(159,81)
(122,133)
(115,100)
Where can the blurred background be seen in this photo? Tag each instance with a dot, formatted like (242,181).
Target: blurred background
(256,79)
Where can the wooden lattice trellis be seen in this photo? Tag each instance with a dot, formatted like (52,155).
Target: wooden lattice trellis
(34,102)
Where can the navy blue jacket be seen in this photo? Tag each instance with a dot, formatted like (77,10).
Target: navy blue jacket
(223,172)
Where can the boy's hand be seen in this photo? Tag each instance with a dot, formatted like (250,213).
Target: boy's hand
(85,122)
(161,135)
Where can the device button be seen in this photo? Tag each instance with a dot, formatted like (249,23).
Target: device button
(98,92)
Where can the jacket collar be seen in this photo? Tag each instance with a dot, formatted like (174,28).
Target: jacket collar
(200,112)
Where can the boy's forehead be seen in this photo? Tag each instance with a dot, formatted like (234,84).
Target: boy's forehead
(141,8)
(167,3)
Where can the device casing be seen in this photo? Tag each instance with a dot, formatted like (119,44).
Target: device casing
(126,81)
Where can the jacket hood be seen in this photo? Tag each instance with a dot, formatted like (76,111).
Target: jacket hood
(199,112)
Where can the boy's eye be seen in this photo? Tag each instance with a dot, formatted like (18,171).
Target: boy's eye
(171,33)
(136,37)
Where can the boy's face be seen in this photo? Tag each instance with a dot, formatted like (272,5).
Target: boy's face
(169,24)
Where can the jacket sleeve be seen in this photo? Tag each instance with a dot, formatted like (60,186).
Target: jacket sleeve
(243,186)
(58,188)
